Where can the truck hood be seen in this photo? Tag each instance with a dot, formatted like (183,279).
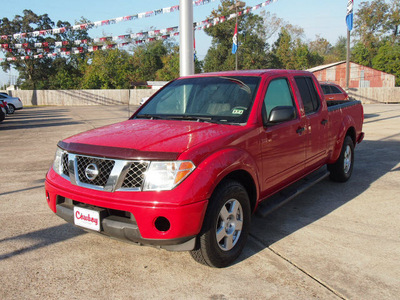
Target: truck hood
(145,139)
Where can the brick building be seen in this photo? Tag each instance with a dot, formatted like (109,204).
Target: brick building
(360,76)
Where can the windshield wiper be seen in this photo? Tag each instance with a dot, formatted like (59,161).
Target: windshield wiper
(193,118)
(148,116)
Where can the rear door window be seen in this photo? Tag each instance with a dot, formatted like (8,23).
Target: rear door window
(308,93)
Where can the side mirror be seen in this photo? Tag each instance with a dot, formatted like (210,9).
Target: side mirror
(282,114)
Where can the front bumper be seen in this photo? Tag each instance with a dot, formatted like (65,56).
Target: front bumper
(123,229)
(130,215)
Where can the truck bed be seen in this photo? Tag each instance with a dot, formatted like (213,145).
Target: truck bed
(335,105)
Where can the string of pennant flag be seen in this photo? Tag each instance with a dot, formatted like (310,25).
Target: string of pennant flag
(78,50)
(139,35)
(42,49)
(90,25)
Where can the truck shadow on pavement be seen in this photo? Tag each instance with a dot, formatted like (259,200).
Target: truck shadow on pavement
(373,159)
(41,238)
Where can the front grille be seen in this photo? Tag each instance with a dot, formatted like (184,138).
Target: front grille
(103,174)
(64,161)
(135,176)
(104,167)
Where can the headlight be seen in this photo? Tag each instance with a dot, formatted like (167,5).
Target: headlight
(162,176)
(57,164)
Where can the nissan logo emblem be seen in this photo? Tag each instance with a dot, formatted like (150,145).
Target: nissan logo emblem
(91,171)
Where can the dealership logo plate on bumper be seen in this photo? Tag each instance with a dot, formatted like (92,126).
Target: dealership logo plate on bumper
(87,218)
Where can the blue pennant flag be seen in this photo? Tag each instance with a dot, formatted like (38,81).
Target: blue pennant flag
(349,15)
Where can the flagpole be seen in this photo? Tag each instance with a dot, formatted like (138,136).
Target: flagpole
(237,39)
(349,23)
(348,60)
(186,61)
(236,35)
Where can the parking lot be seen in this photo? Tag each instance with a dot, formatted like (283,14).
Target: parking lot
(335,241)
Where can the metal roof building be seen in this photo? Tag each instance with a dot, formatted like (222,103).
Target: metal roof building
(360,76)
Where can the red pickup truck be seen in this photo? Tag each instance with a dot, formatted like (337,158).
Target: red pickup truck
(192,164)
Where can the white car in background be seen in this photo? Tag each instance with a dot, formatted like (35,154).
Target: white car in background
(14,103)
(144,100)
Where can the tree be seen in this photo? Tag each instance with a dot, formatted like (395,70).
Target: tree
(108,69)
(377,36)
(339,51)
(252,46)
(362,55)
(293,53)
(170,69)
(147,60)
(34,73)
(68,74)
(371,20)
(320,46)
(388,59)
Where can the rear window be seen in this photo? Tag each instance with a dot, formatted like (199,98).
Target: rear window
(335,90)
(326,89)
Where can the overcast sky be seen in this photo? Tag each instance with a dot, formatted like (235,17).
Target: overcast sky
(317,17)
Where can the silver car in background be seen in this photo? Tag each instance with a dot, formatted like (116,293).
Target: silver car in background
(14,103)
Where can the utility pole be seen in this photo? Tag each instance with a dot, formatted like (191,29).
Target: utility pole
(186,42)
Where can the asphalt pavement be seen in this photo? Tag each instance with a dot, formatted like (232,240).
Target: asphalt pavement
(335,241)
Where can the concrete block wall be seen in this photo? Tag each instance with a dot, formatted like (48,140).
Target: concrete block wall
(81,97)
(376,95)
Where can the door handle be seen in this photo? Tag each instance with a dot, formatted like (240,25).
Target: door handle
(324,121)
(300,130)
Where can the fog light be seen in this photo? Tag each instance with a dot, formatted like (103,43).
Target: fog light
(162,224)
(47,197)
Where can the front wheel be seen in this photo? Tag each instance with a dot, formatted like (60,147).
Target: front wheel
(226,226)
(341,170)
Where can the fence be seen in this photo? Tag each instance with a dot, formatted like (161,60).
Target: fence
(133,97)
(81,97)
(376,95)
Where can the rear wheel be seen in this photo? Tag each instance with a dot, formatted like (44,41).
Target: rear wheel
(341,170)
(11,108)
(226,226)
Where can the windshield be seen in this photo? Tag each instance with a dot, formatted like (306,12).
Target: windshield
(204,99)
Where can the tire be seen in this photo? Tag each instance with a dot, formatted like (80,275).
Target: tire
(11,109)
(225,227)
(2,115)
(342,169)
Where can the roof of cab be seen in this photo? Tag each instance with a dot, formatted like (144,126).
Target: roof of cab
(261,72)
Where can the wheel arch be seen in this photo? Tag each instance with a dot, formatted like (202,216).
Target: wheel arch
(347,129)
(234,164)
(351,132)
(245,179)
